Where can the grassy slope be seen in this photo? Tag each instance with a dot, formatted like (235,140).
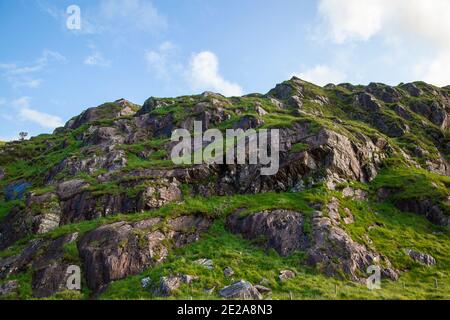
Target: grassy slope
(396,231)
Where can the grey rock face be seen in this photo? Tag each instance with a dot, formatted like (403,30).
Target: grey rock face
(434,111)
(242,290)
(113,110)
(327,245)
(41,214)
(70,188)
(78,203)
(384,93)
(335,252)
(412,89)
(111,161)
(368,102)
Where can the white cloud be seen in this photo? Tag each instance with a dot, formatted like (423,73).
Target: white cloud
(43,119)
(97,59)
(423,24)
(363,19)
(352,19)
(24,112)
(322,75)
(162,61)
(203,74)
(436,71)
(25,76)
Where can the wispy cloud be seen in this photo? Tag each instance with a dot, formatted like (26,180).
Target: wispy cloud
(140,15)
(28,75)
(163,61)
(97,59)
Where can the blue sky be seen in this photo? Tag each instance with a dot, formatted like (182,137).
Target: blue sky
(134,49)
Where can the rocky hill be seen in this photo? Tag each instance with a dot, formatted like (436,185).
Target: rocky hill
(364,180)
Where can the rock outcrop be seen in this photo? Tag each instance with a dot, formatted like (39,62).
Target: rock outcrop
(327,245)
(281,230)
(242,290)
(121,249)
(115,159)
(423,258)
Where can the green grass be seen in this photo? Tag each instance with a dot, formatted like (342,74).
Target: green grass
(300,147)
(254,264)
(413,183)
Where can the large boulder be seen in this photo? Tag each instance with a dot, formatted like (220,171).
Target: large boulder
(115,251)
(281,230)
(242,290)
